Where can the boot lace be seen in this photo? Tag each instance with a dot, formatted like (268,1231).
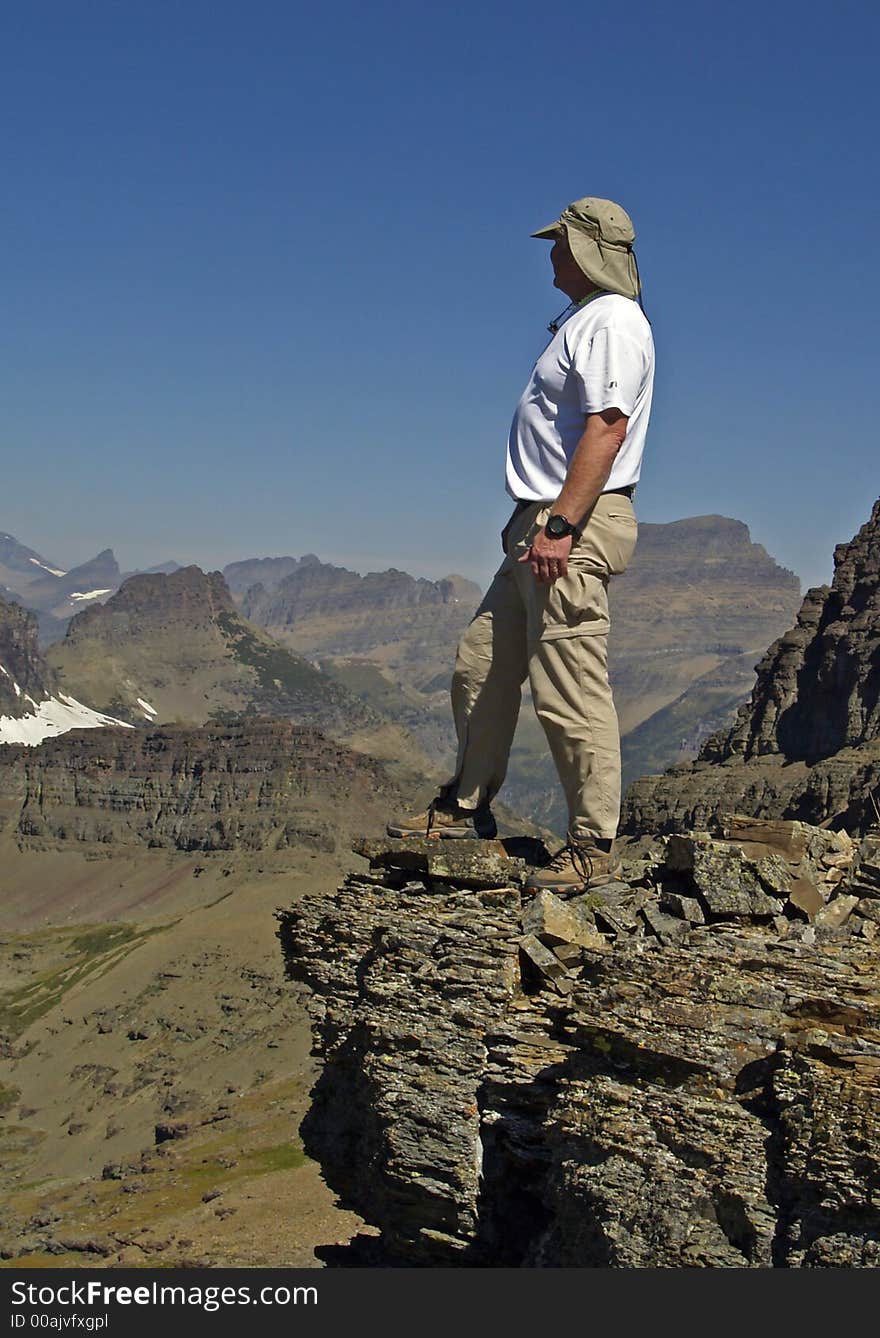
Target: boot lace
(573,855)
(439,804)
(435,805)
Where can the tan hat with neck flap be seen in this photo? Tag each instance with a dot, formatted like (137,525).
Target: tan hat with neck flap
(601,235)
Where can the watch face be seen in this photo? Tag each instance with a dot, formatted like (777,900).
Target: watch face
(557,527)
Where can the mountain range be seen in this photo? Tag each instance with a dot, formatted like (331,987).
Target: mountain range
(53,593)
(174,648)
(690,617)
(370,657)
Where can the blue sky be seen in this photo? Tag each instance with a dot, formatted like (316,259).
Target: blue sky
(270,286)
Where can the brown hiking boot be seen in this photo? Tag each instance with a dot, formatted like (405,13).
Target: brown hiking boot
(443,819)
(574,868)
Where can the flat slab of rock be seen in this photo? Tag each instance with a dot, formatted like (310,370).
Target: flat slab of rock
(806,897)
(774,871)
(668,928)
(790,839)
(614,907)
(478,864)
(571,953)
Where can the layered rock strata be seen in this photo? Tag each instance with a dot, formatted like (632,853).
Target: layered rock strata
(680,1069)
(808,742)
(258,785)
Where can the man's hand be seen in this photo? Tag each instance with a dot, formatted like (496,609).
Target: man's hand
(548,558)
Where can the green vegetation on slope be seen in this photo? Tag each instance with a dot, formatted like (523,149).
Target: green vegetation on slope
(88,955)
(276,668)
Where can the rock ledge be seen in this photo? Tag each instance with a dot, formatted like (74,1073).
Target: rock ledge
(678,1070)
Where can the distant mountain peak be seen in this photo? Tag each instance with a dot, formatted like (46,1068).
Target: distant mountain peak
(160,569)
(185,593)
(21,567)
(266,571)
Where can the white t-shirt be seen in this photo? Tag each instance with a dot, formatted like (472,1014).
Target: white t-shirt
(602,357)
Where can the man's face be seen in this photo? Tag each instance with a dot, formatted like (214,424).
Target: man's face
(567,276)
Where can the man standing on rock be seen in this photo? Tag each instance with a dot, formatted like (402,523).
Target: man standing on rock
(573,459)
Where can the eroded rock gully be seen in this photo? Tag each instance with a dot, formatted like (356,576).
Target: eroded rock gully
(678,1070)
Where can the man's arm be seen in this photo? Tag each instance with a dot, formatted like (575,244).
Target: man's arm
(587,475)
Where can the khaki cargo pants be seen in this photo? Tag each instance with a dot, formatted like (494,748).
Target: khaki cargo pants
(556,636)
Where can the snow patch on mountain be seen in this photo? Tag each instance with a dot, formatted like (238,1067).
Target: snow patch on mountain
(52,570)
(90,594)
(55,715)
(148,710)
(4,670)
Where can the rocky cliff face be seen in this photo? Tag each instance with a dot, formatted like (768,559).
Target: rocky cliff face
(818,687)
(259,785)
(32,705)
(678,1070)
(23,671)
(806,744)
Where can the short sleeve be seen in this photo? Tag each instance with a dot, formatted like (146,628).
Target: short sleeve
(609,369)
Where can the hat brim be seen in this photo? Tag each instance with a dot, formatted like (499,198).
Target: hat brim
(551,231)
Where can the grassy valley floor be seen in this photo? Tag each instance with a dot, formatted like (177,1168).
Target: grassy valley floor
(157,1065)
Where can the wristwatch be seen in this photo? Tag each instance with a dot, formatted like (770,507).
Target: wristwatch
(558,527)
